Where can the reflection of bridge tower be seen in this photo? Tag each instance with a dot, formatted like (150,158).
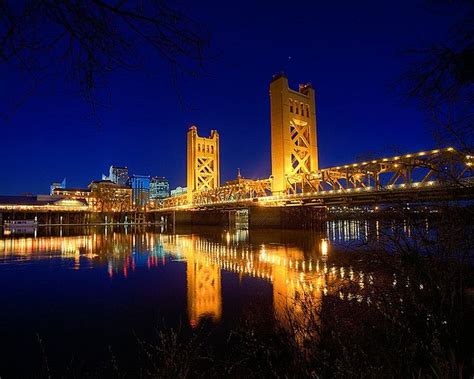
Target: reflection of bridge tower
(204,288)
(296,292)
(294,139)
(202,162)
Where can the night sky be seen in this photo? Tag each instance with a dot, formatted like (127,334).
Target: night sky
(351,52)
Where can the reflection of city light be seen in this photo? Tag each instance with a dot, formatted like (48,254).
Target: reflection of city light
(290,272)
(324,247)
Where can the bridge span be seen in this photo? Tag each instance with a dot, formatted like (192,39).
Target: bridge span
(297,180)
(296,194)
(438,175)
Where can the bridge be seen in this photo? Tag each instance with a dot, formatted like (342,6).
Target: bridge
(424,176)
(296,178)
(296,194)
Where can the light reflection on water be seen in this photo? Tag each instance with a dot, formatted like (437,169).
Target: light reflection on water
(294,264)
(342,231)
(75,286)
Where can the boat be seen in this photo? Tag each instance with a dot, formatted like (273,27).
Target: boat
(21,223)
(20,226)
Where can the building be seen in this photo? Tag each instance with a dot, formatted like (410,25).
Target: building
(107,196)
(159,188)
(73,193)
(118,175)
(39,209)
(178,191)
(57,185)
(140,185)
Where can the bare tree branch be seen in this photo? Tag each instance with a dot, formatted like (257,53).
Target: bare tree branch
(441,81)
(85,41)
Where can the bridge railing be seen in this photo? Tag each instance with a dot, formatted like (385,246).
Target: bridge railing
(175,202)
(441,166)
(422,170)
(241,190)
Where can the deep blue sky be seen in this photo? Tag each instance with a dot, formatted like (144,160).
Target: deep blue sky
(350,51)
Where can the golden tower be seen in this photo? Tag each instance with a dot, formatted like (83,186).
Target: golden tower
(202,162)
(294,138)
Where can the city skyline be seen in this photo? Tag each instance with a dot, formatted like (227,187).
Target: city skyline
(145,126)
(121,178)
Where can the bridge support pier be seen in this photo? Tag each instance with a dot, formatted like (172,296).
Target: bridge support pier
(302,217)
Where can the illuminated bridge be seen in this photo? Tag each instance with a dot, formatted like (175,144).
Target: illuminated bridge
(297,180)
(296,194)
(440,174)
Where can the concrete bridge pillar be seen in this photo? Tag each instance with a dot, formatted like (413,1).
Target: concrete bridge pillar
(302,217)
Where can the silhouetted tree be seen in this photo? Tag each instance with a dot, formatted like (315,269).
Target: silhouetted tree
(109,198)
(86,40)
(441,79)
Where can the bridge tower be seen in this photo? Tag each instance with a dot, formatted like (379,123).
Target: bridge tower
(294,138)
(203,168)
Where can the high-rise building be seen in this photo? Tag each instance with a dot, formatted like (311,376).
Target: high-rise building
(159,188)
(57,185)
(140,185)
(118,175)
(178,191)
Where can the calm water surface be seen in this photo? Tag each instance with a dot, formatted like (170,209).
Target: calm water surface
(79,296)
